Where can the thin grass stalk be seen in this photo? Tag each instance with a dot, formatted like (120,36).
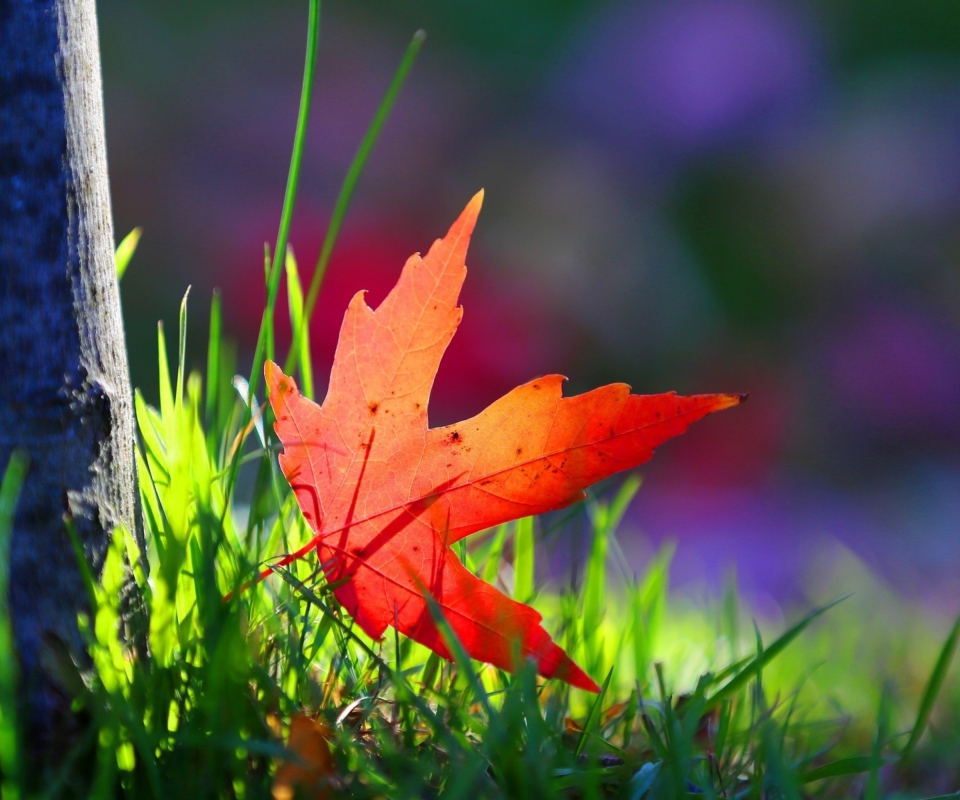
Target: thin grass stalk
(11,781)
(345,195)
(290,195)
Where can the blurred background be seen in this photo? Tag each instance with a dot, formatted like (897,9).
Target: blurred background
(699,195)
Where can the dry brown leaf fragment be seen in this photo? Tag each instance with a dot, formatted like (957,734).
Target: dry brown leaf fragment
(309,775)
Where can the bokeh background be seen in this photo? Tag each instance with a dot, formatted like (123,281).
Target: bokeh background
(700,195)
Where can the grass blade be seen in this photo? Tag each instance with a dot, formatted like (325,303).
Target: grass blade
(290,195)
(125,251)
(523,560)
(593,719)
(621,501)
(350,184)
(301,332)
(182,352)
(756,665)
(10,783)
(648,601)
(932,690)
(641,782)
(491,567)
(166,390)
(286,215)
(213,358)
(730,614)
(595,585)
(836,769)
(456,649)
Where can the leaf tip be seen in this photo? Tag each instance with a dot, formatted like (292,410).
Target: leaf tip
(277,381)
(568,671)
(472,211)
(730,400)
(586,683)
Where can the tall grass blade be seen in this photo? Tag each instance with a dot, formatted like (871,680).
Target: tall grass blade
(456,649)
(350,183)
(182,352)
(647,603)
(301,332)
(730,614)
(641,782)
(491,567)
(290,195)
(754,667)
(125,251)
(166,390)
(621,502)
(854,765)
(593,718)
(11,783)
(872,789)
(595,585)
(254,408)
(524,565)
(932,690)
(213,359)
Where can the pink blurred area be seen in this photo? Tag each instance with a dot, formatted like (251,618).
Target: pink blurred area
(508,334)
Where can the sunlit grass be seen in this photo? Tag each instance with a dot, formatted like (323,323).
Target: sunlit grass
(697,696)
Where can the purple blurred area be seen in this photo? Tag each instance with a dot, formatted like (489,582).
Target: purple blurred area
(700,195)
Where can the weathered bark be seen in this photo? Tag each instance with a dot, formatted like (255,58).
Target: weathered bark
(65,393)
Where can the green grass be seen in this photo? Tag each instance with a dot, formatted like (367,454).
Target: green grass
(694,697)
(699,698)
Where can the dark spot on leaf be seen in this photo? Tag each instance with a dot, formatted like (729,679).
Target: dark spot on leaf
(455,436)
(536,386)
(373,407)
(519,450)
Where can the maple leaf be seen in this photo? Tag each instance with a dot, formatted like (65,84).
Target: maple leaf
(387,495)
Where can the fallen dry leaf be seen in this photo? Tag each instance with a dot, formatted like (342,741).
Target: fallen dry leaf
(387,495)
(310,773)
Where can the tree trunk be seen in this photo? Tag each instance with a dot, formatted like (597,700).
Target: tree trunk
(65,392)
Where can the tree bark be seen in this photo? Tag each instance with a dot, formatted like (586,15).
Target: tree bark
(65,392)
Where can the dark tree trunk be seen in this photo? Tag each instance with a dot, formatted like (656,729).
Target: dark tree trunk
(65,393)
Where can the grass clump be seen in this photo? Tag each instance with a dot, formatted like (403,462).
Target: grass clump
(274,692)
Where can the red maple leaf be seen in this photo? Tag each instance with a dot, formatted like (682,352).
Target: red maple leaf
(387,495)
